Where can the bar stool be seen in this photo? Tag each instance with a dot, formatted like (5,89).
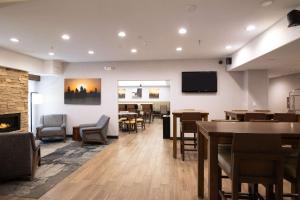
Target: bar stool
(188,126)
(254,159)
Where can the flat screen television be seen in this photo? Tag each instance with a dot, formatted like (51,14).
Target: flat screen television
(205,81)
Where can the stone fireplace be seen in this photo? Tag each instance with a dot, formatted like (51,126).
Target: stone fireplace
(10,122)
(14,98)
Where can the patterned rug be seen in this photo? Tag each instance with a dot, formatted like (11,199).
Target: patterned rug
(55,167)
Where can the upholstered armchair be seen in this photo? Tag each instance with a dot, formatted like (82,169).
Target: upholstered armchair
(96,132)
(20,155)
(52,126)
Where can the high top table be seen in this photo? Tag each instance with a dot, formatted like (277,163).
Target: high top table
(240,115)
(178,114)
(222,133)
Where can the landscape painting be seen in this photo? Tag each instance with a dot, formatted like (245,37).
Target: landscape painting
(122,92)
(83,91)
(154,93)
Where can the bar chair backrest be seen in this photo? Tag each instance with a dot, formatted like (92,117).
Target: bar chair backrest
(286,117)
(254,116)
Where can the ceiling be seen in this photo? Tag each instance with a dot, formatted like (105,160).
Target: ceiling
(282,61)
(151,27)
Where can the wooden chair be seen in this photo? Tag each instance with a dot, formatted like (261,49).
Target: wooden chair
(188,125)
(254,159)
(140,122)
(255,116)
(131,108)
(147,110)
(122,107)
(286,117)
(292,171)
(131,123)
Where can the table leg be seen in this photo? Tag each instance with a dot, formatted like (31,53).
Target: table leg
(200,142)
(213,193)
(174,136)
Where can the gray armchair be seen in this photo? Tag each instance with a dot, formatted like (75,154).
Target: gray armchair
(52,126)
(20,155)
(96,132)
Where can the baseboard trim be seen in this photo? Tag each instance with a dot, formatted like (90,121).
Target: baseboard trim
(113,136)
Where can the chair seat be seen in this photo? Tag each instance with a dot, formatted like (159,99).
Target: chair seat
(52,131)
(139,119)
(290,165)
(224,159)
(130,122)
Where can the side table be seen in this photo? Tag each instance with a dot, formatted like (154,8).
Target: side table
(76,134)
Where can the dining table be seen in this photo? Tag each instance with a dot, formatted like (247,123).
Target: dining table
(216,133)
(240,115)
(177,114)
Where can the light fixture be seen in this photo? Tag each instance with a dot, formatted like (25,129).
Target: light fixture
(91,52)
(228,47)
(15,40)
(182,31)
(133,50)
(51,53)
(65,37)
(266,3)
(179,49)
(250,28)
(122,34)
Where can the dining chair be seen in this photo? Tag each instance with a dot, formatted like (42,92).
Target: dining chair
(163,110)
(131,123)
(251,116)
(253,159)
(122,107)
(285,117)
(188,126)
(147,110)
(292,171)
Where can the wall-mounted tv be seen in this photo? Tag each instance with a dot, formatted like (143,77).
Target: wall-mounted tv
(205,81)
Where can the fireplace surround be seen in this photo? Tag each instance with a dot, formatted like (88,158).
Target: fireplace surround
(10,122)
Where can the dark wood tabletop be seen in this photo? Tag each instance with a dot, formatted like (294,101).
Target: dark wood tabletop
(222,133)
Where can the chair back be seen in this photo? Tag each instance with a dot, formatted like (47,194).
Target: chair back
(55,120)
(122,107)
(147,107)
(254,116)
(188,121)
(132,107)
(285,117)
(163,109)
(265,111)
(16,155)
(257,156)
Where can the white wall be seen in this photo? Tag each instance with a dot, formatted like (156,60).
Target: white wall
(279,90)
(257,84)
(230,95)
(164,94)
(19,61)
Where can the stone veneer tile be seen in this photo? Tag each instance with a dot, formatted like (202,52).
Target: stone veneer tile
(14,94)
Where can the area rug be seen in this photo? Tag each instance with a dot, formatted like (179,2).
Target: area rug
(55,167)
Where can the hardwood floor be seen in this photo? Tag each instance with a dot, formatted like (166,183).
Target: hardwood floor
(136,166)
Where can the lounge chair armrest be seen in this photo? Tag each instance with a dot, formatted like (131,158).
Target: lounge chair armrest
(91,129)
(87,125)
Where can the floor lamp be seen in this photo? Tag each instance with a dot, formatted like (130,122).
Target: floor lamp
(35,98)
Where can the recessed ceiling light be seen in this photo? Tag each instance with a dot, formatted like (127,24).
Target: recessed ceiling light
(228,47)
(91,52)
(266,3)
(133,50)
(51,53)
(250,28)
(179,49)
(15,40)
(182,31)
(65,37)
(122,34)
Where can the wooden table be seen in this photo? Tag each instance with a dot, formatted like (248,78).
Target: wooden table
(222,133)
(240,115)
(178,114)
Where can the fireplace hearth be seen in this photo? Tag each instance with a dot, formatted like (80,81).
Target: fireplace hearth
(10,122)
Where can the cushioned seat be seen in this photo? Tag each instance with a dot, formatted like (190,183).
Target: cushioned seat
(290,165)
